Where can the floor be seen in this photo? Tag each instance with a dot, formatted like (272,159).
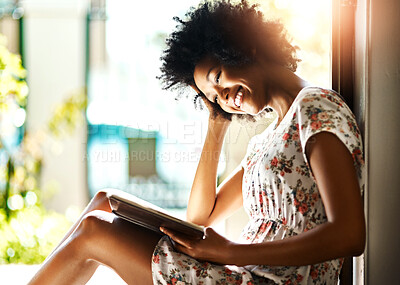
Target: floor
(21,274)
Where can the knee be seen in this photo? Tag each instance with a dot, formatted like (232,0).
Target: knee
(96,220)
(86,239)
(92,227)
(101,195)
(101,200)
(90,232)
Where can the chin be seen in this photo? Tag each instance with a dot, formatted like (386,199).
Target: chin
(254,110)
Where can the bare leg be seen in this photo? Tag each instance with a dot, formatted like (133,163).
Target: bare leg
(100,238)
(99,202)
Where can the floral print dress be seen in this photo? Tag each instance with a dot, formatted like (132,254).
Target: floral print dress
(280,195)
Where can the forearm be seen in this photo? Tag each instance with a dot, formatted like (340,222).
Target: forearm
(325,242)
(203,192)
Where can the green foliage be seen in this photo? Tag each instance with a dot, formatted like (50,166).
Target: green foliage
(28,231)
(30,234)
(68,115)
(12,74)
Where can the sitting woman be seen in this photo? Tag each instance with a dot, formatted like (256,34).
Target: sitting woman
(300,181)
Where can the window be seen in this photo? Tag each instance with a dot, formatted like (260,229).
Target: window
(139,139)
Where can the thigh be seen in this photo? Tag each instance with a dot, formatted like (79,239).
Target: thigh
(119,244)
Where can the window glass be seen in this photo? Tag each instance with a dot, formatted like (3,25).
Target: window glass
(140,139)
(308,22)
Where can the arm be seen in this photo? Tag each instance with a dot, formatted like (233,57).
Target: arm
(342,235)
(205,206)
(344,232)
(229,197)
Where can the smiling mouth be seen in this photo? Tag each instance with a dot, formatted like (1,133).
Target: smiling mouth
(239,97)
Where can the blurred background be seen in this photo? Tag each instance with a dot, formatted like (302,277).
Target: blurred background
(81,110)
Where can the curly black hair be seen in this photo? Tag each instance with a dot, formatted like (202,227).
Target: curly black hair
(230,33)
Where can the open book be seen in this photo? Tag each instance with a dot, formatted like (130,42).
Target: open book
(150,216)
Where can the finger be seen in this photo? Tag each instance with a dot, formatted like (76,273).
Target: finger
(182,249)
(190,252)
(178,247)
(209,232)
(179,238)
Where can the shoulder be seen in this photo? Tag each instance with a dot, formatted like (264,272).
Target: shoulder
(325,105)
(319,109)
(323,110)
(320,96)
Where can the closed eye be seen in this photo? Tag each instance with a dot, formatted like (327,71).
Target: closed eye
(217,77)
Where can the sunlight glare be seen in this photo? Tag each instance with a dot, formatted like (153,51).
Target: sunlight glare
(19,117)
(15,202)
(308,24)
(30,198)
(281,4)
(302,29)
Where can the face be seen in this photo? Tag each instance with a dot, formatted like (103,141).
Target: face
(238,90)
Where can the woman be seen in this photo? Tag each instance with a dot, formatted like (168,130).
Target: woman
(299,182)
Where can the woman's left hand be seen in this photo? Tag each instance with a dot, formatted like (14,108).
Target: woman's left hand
(213,247)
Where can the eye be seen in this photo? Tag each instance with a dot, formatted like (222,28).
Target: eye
(217,77)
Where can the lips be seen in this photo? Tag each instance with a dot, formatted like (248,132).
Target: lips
(239,97)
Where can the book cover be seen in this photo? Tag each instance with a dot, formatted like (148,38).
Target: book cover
(150,216)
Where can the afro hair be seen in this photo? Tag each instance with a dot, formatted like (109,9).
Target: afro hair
(230,33)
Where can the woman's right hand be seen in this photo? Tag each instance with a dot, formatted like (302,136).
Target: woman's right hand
(216,114)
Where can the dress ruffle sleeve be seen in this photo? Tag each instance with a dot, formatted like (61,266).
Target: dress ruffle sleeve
(327,112)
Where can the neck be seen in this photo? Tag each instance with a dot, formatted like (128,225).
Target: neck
(284,85)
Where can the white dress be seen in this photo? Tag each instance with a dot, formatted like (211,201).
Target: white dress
(280,195)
